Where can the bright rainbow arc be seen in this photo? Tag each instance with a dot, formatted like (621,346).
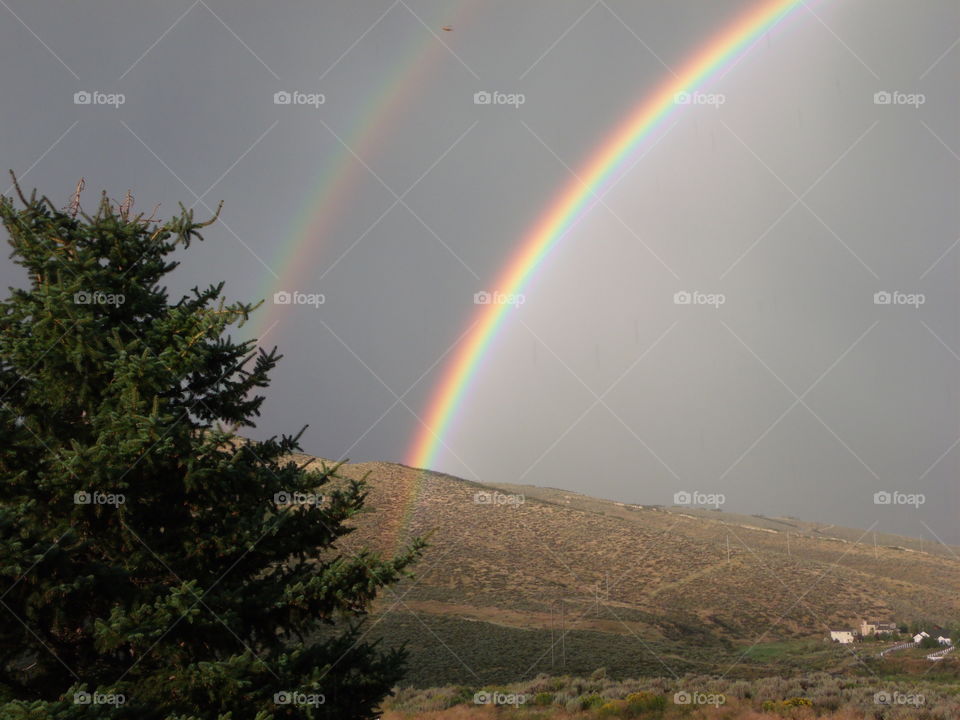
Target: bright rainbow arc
(572,204)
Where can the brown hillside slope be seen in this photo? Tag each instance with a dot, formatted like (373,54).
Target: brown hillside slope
(630,569)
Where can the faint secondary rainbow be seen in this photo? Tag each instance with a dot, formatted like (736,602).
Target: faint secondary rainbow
(573,203)
(293,262)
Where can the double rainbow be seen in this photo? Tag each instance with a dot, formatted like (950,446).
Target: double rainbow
(574,202)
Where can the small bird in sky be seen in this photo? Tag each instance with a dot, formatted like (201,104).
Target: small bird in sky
(447,28)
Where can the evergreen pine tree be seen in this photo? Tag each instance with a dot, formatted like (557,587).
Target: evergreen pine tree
(146,551)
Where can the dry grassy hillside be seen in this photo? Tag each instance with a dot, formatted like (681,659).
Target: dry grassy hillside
(658,573)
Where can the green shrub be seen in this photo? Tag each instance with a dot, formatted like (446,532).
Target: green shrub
(545,683)
(460,694)
(543,698)
(644,701)
(590,702)
(614,709)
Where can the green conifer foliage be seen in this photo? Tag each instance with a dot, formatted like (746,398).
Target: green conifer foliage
(150,566)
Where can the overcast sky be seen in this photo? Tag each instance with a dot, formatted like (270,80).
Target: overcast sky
(398,198)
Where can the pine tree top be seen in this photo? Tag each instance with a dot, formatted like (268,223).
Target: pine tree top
(145,548)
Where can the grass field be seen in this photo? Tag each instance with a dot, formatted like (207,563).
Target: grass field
(447,650)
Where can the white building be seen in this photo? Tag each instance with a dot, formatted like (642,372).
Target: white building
(871,627)
(920,636)
(844,637)
(944,640)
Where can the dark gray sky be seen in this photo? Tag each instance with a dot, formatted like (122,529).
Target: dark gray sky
(797,199)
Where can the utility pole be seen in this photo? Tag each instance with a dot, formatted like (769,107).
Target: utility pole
(728,548)
(563,634)
(551,636)
(876,551)
(788,546)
